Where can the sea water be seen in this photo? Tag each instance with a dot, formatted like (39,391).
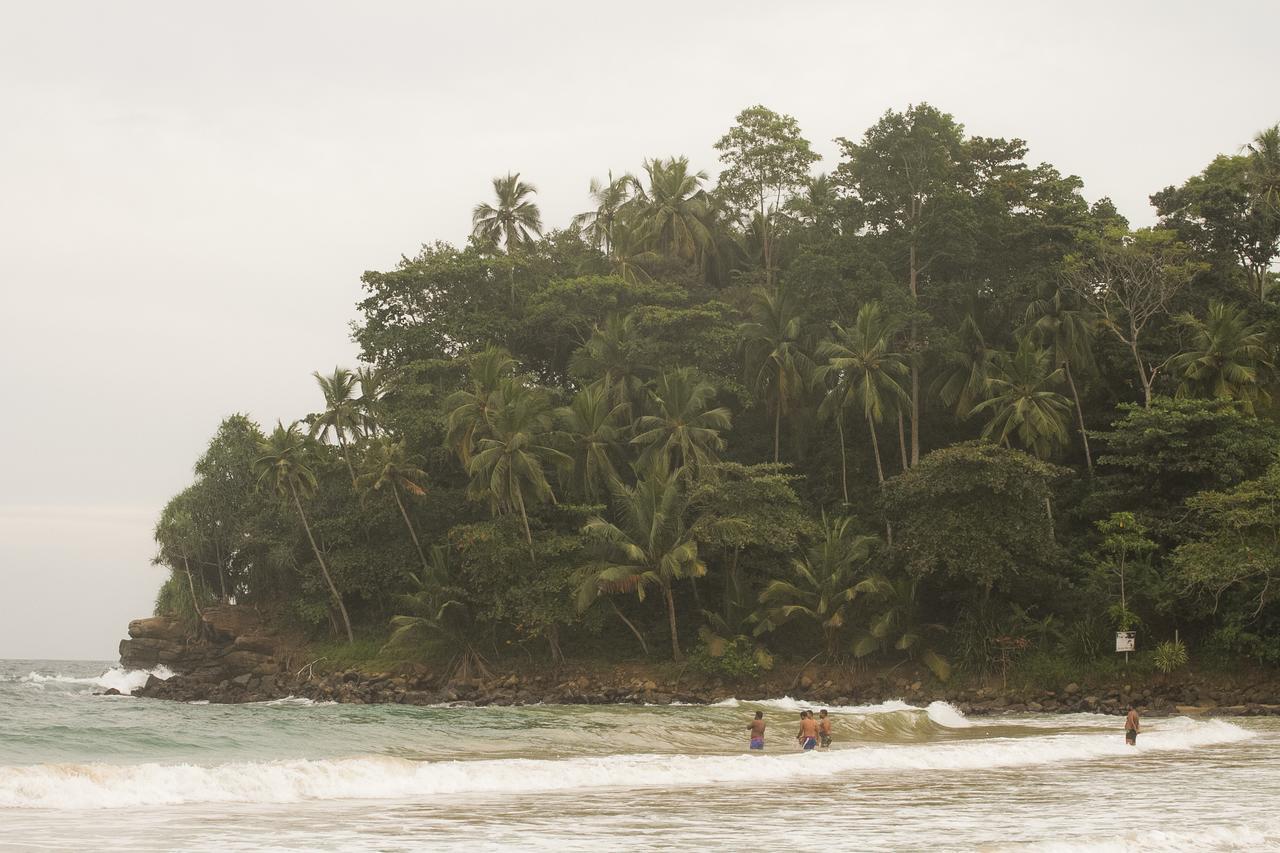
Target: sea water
(80,771)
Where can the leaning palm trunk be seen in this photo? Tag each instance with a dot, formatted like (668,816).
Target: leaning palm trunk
(409,524)
(346,457)
(630,625)
(324,569)
(875,447)
(671,617)
(195,601)
(902,442)
(1084,436)
(844,464)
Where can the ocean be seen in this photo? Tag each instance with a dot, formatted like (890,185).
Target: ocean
(80,771)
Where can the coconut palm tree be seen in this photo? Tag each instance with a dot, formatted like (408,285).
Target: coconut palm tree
(372,382)
(1225,356)
(1022,406)
(963,378)
(342,415)
(868,374)
(609,198)
(508,467)
(436,610)
(1054,321)
(515,221)
(826,580)
(592,427)
(629,257)
(647,544)
(284,466)
(777,367)
(610,356)
(683,430)
(387,465)
(672,211)
(899,626)
(1264,167)
(469,407)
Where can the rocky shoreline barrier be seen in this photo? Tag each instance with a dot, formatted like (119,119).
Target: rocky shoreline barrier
(232,660)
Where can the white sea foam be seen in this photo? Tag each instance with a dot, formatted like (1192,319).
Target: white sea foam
(115,786)
(1208,839)
(947,715)
(124,680)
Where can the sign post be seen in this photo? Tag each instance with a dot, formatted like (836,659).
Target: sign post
(1126,641)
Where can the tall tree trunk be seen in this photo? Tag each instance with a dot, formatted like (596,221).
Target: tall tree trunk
(777,419)
(844,464)
(671,617)
(875,446)
(346,457)
(902,441)
(324,568)
(528,537)
(195,599)
(628,623)
(409,524)
(913,282)
(222,576)
(1142,369)
(1084,436)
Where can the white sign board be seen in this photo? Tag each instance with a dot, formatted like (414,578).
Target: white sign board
(1126,641)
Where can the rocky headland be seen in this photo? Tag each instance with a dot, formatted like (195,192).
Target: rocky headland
(229,658)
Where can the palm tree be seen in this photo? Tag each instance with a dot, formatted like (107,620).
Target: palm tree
(648,545)
(436,610)
(372,382)
(388,465)
(1022,406)
(1264,167)
(609,199)
(515,221)
(683,430)
(508,467)
(777,366)
(1225,354)
(283,465)
(593,426)
(469,407)
(610,356)
(899,626)
(827,579)
(869,374)
(1067,330)
(342,413)
(672,212)
(963,380)
(628,255)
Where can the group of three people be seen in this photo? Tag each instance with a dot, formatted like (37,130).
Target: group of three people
(814,732)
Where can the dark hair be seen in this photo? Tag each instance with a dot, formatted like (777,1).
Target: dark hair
(759,715)
(823,712)
(1130,706)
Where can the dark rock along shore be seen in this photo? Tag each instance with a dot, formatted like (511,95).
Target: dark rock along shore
(234,660)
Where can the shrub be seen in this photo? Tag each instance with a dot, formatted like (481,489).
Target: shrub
(737,659)
(1170,655)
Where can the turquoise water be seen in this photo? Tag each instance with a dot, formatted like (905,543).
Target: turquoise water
(79,771)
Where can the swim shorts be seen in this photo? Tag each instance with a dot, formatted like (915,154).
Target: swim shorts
(757,743)
(826,740)
(1130,736)
(810,743)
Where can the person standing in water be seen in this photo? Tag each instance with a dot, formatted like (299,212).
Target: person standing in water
(1131,726)
(757,731)
(807,737)
(824,729)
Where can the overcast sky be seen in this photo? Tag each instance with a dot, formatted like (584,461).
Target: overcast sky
(187,200)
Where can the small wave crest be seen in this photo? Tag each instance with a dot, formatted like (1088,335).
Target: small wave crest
(115,786)
(118,678)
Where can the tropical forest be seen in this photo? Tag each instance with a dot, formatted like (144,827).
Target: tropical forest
(923,404)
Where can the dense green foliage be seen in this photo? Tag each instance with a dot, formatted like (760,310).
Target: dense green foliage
(929,405)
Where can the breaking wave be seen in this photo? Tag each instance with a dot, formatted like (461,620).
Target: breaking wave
(77,786)
(118,678)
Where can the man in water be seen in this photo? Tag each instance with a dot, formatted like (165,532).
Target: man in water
(757,731)
(1131,726)
(807,737)
(824,729)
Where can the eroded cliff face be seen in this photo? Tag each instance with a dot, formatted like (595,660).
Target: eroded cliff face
(228,645)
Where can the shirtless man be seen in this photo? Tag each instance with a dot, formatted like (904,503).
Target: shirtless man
(824,729)
(757,731)
(807,737)
(1131,727)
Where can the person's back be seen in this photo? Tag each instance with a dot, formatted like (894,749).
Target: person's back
(1131,726)
(757,731)
(808,735)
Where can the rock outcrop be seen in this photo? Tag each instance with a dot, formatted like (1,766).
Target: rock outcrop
(227,644)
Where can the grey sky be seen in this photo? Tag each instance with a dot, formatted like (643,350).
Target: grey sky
(188,195)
